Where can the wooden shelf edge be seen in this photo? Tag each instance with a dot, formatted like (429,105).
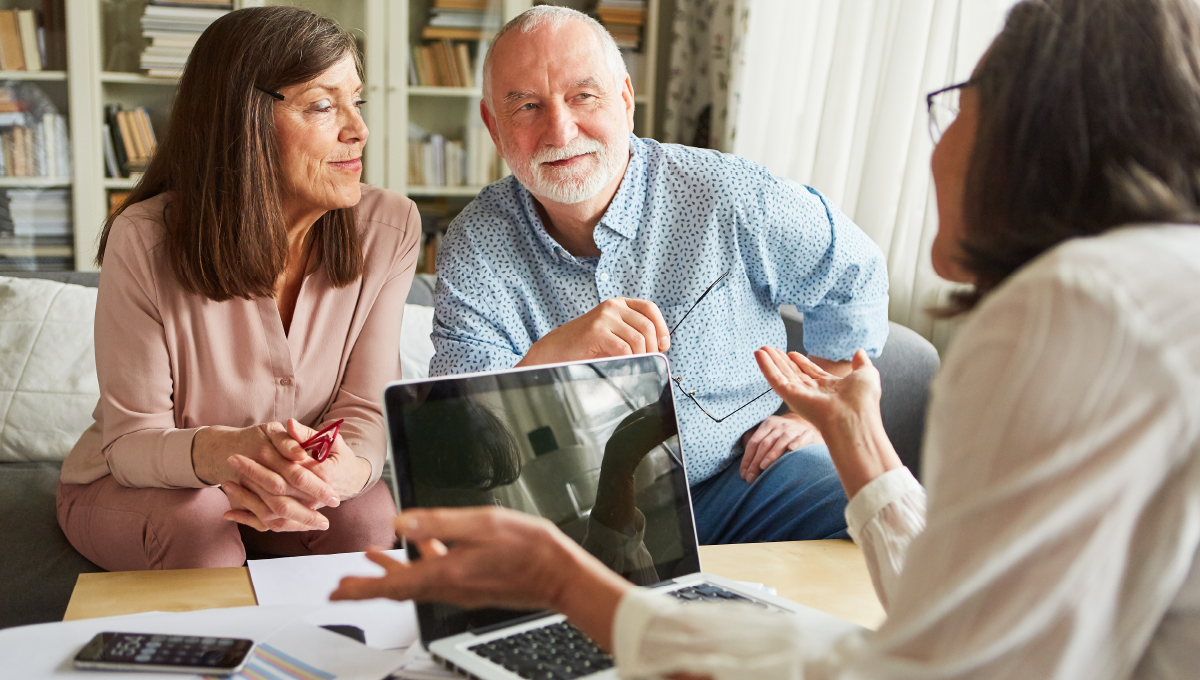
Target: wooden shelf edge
(33,75)
(34,182)
(442,191)
(135,79)
(437,91)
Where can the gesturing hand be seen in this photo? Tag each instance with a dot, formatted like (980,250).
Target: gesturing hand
(615,327)
(845,410)
(817,395)
(772,438)
(495,558)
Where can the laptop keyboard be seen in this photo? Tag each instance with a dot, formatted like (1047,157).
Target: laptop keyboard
(706,592)
(561,652)
(556,652)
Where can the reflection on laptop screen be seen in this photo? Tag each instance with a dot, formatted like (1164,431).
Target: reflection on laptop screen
(592,447)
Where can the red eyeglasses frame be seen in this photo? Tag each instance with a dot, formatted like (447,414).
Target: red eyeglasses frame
(320,444)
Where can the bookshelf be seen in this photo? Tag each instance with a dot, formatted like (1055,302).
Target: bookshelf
(97,74)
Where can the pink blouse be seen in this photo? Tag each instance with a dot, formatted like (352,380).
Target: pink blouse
(170,362)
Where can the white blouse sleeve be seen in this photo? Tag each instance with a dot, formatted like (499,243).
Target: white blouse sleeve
(1064,510)
(883,519)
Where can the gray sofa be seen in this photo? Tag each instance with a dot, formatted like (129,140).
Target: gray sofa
(40,567)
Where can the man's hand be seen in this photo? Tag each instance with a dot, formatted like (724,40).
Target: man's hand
(615,327)
(772,438)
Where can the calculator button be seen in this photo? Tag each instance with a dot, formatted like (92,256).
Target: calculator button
(225,643)
(158,638)
(175,639)
(209,641)
(142,658)
(191,640)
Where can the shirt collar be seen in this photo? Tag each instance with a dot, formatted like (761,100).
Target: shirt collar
(623,214)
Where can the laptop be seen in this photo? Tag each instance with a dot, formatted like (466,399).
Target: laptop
(562,442)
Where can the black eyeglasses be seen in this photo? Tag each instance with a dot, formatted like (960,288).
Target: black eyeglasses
(943,108)
(274,94)
(678,379)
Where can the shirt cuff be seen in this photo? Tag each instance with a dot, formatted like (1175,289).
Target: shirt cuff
(880,493)
(178,470)
(836,332)
(637,608)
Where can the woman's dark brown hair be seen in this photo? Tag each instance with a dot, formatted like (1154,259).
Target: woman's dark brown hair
(1089,120)
(225,231)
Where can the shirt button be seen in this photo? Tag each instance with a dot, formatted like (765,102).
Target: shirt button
(603,277)
(286,382)
(564,254)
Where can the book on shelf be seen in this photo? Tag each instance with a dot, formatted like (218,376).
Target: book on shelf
(623,19)
(444,64)
(34,140)
(173,29)
(434,161)
(481,5)
(53,34)
(132,139)
(31,40)
(35,230)
(116,199)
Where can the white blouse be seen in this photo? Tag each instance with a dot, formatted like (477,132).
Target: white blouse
(1062,466)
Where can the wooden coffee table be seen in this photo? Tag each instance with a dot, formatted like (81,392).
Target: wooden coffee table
(826,575)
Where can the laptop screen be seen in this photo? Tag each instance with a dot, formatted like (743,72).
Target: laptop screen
(592,447)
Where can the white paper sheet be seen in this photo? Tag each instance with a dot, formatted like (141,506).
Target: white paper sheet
(45,651)
(336,654)
(310,579)
(418,665)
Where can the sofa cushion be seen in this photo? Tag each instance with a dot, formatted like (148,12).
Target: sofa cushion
(48,385)
(39,566)
(416,348)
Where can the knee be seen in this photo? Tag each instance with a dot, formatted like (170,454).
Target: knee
(190,532)
(810,462)
(358,524)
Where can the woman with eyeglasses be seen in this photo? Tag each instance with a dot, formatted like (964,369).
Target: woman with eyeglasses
(250,295)
(1060,531)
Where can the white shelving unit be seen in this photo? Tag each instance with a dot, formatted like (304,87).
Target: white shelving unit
(383,28)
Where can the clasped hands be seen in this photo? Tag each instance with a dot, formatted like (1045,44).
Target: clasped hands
(272,483)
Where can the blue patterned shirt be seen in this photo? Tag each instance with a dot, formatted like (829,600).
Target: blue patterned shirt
(681,218)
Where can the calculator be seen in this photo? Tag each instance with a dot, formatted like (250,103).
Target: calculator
(169,653)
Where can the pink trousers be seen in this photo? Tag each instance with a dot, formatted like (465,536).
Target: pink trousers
(124,529)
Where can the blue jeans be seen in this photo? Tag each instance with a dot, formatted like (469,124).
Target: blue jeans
(798,498)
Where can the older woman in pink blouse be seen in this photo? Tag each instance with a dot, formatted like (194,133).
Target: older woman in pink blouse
(250,293)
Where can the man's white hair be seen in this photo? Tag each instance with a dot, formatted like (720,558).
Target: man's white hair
(550,16)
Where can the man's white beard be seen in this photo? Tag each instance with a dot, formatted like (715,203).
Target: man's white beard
(569,186)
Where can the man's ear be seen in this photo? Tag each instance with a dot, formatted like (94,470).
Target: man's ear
(490,121)
(627,97)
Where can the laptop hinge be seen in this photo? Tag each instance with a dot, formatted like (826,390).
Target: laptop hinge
(484,630)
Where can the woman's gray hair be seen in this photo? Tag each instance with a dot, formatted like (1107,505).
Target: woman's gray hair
(553,17)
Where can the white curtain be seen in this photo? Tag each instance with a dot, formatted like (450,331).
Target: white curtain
(831,93)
